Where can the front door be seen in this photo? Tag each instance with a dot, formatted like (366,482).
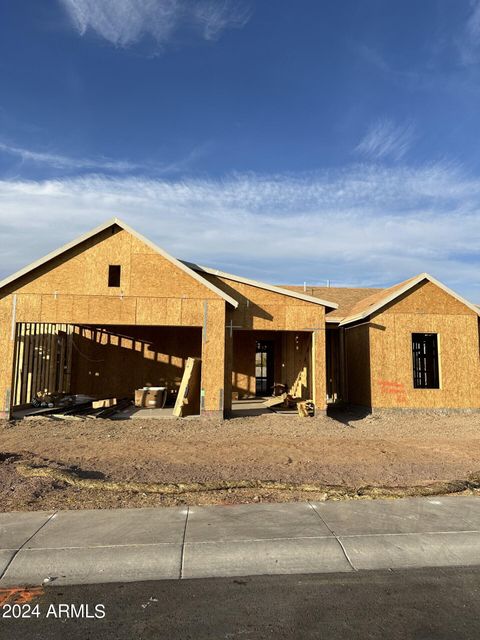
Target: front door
(264,368)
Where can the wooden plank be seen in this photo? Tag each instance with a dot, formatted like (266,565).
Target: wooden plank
(188,399)
(18,360)
(68,360)
(53,378)
(106,402)
(35,361)
(27,376)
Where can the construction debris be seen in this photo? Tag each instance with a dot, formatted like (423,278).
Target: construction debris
(103,404)
(306,409)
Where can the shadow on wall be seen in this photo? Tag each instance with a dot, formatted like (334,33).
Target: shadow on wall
(247,310)
(114,361)
(357,363)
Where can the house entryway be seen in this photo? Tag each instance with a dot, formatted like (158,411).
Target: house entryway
(264,368)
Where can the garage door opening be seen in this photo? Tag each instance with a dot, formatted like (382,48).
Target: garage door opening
(94,363)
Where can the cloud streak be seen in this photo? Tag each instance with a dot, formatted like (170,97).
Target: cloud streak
(59,161)
(469,42)
(71,164)
(385,139)
(364,225)
(125,22)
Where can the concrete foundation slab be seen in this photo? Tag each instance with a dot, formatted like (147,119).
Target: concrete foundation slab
(253,521)
(111,527)
(258,557)
(137,413)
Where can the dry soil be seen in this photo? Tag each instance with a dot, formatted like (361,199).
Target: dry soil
(349,449)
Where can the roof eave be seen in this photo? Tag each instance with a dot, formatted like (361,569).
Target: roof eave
(261,285)
(412,283)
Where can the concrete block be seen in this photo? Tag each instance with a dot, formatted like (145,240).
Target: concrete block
(262,557)
(408,515)
(90,528)
(16,528)
(407,551)
(253,521)
(5,556)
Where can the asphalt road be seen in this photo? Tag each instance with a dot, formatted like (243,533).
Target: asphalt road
(419,604)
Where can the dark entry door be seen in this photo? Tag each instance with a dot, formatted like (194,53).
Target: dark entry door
(264,368)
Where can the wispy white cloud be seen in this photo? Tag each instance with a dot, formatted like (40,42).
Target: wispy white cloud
(363,225)
(100,164)
(59,161)
(469,42)
(385,139)
(124,22)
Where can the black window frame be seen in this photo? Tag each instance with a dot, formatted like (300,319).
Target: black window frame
(425,361)
(114,275)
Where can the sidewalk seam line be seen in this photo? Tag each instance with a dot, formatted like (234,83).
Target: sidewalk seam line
(335,536)
(182,557)
(23,545)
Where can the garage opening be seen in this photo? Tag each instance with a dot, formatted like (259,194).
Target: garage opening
(91,364)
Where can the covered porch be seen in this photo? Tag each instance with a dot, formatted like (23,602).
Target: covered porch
(266,363)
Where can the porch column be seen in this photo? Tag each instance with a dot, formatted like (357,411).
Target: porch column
(212,394)
(319,370)
(227,399)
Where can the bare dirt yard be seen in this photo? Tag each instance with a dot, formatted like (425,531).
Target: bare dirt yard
(75,464)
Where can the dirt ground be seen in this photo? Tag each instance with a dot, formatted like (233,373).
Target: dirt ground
(348,450)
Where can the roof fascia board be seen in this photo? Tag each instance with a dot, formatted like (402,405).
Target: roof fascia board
(56,253)
(261,285)
(393,296)
(125,227)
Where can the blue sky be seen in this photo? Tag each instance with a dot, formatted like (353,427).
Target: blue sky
(287,141)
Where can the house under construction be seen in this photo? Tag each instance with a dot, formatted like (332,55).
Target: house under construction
(110,313)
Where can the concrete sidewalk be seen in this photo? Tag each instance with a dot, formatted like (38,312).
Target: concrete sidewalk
(78,547)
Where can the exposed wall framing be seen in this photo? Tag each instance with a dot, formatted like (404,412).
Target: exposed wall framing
(43,360)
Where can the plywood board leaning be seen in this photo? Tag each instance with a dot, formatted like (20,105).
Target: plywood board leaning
(188,399)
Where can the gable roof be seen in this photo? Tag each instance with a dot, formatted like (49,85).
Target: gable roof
(345,298)
(119,223)
(262,285)
(380,299)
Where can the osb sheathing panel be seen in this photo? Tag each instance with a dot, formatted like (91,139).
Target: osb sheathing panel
(213,356)
(357,364)
(84,271)
(6,352)
(426,297)
(318,364)
(427,309)
(392,365)
(114,361)
(228,372)
(243,367)
(109,310)
(262,309)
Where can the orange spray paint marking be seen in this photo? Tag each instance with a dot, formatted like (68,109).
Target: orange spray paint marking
(19,595)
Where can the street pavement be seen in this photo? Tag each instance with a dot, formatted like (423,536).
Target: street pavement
(416,604)
(125,545)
